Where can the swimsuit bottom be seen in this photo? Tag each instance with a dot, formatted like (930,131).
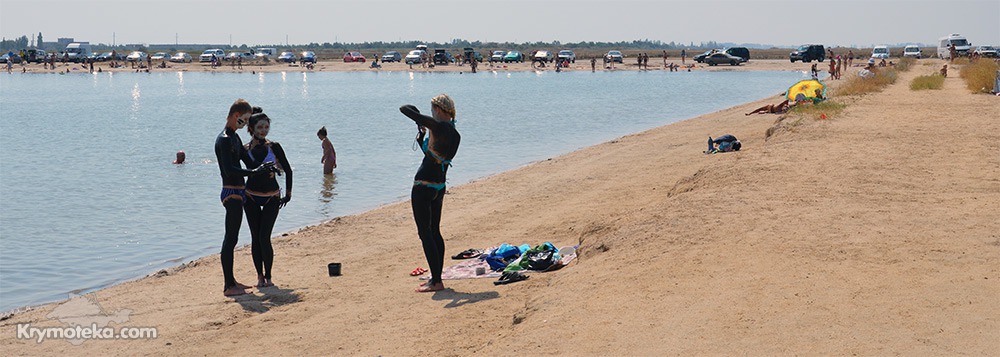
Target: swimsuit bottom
(229,192)
(436,186)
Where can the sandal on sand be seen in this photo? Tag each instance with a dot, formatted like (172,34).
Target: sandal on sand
(510,277)
(418,271)
(467,254)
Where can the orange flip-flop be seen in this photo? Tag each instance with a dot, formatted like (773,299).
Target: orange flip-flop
(418,271)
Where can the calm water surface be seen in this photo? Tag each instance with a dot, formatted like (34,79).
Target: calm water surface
(90,196)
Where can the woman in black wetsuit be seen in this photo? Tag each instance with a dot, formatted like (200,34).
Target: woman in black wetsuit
(427,195)
(264,195)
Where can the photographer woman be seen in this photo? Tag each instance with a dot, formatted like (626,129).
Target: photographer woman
(426,197)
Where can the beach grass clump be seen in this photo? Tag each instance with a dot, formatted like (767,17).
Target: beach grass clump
(822,110)
(980,75)
(905,63)
(857,85)
(934,81)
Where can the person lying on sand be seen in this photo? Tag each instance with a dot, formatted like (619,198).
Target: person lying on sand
(772,108)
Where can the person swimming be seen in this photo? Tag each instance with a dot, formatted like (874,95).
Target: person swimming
(439,146)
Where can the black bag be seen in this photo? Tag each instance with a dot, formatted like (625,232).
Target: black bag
(540,260)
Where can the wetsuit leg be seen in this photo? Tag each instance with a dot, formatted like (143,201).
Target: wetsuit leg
(234,217)
(253,211)
(426,203)
(268,215)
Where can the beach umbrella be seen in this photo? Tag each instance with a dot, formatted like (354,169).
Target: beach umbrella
(805,90)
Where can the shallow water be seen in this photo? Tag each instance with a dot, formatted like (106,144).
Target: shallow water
(90,196)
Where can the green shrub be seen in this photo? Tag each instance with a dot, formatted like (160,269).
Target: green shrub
(933,81)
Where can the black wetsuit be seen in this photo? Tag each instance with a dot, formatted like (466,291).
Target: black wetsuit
(427,194)
(228,152)
(263,201)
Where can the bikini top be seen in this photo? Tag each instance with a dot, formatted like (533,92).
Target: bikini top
(425,146)
(269,158)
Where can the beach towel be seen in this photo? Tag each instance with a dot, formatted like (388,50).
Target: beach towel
(467,269)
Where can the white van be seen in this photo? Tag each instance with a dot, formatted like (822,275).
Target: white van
(78,51)
(962,46)
(267,53)
(912,51)
(880,52)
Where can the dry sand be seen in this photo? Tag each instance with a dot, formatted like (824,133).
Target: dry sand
(874,232)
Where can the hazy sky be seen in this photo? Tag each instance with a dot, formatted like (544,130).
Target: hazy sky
(781,22)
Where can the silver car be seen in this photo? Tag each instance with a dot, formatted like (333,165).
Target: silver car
(722,58)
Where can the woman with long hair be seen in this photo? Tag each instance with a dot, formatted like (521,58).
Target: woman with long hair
(264,195)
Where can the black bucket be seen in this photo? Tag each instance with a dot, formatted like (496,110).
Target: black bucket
(334,269)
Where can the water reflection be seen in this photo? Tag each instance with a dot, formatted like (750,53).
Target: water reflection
(326,194)
(305,86)
(136,94)
(180,84)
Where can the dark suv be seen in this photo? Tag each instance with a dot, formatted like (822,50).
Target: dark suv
(808,53)
(443,57)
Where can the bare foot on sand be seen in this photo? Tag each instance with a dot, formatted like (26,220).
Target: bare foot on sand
(428,287)
(234,291)
(243,286)
(263,283)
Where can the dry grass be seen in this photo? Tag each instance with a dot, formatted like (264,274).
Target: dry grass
(933,81)
(980,75)
(827,108)
(856,85)
(905,63)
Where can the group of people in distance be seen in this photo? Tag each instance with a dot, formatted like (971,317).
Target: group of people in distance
(252,188)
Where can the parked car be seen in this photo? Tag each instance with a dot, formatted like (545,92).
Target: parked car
(160,56)
(986,51)
(107,56)
(207,55)
(542,56)
(614,56)
(287,57)
(354,56)
(880,52)
(497,56)
(415,56)
(392,56)
(470,54)
(513,56)
(701,58)
(808,53)
(307,57)
(181,57)
(566,55)
(14,58)
(741,52)
(962,46)
(443,57)
(722,58)
(235,55)
(912,51)
(137,56)
(35,55)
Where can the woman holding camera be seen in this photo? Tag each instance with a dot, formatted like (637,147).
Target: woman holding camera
(439,141)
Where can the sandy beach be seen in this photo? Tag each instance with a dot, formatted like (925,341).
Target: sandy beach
(872,232)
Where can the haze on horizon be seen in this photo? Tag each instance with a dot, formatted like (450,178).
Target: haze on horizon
(782,23)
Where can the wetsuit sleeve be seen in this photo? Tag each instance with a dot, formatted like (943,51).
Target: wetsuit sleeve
(227,163)
(414,114)
(279,154)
